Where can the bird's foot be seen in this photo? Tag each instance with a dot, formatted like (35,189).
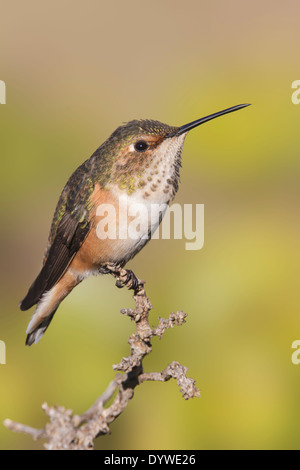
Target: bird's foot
(128,279)
(125,278)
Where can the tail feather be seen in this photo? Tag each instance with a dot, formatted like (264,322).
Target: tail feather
(42,316)
(47,306)
(38,332)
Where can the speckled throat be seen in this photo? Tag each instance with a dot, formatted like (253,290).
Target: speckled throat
(155,174)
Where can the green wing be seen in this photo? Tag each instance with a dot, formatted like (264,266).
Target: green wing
(69,229)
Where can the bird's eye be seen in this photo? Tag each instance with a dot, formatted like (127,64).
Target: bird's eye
(140,146)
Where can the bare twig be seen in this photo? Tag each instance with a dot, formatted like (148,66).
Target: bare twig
(78,432)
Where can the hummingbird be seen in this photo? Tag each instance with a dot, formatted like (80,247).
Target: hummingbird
(138,163)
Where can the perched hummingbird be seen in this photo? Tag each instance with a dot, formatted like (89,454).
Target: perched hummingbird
(139,163)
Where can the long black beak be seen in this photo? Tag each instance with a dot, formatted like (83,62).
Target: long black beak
(187,127)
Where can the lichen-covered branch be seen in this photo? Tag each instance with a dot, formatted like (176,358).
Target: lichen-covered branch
(66,430)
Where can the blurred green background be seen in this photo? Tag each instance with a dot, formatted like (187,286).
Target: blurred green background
(74,71)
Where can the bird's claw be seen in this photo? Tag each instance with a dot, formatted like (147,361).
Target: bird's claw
(125,277)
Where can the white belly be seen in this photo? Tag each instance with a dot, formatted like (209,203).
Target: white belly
(138,219)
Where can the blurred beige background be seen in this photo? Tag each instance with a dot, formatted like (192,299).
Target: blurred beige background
(76,70)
